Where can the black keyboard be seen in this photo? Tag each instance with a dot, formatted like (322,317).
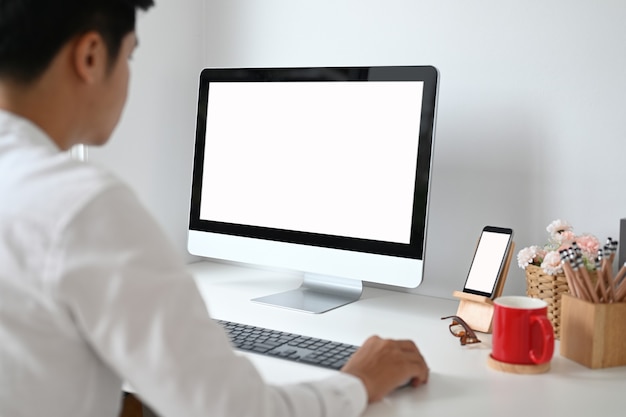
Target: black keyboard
(290,346)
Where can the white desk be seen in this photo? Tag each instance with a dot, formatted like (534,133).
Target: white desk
(461,383)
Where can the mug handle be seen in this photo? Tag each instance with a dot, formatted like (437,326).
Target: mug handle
(547,337)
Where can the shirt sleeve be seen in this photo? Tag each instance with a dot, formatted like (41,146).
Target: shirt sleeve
(140,311)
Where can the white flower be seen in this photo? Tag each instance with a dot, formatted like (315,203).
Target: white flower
(552,263)
(526,256)
(557,227)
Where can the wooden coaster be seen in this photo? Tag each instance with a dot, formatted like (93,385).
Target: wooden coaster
(516,368)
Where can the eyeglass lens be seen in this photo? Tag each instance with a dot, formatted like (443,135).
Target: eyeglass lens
(461,330)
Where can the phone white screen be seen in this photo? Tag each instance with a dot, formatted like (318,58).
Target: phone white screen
(488,258)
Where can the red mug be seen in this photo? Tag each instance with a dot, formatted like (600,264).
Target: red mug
(522,333)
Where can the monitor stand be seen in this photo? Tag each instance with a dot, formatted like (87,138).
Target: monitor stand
(317,294)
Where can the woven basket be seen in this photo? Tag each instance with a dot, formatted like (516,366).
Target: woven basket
(548,288)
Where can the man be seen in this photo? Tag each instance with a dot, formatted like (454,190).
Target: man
(77,251)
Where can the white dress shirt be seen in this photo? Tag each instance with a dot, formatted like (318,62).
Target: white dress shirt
(92,294)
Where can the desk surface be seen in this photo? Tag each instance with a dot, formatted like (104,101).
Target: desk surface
(460,383)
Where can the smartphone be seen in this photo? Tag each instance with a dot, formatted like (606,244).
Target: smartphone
(489,258)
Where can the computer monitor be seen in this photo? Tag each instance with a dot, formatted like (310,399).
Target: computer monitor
(320,170)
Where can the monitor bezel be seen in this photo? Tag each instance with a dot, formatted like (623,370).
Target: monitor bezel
(426,74)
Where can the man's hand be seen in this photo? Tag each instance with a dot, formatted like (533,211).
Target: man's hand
(383,365)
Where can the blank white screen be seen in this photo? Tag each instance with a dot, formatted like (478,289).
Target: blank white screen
(335,158)
(487,260)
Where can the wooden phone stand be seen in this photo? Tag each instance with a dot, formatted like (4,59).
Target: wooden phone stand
(476,310)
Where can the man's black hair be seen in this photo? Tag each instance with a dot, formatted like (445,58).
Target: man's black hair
(33,31)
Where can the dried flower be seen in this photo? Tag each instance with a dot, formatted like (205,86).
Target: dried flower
(557,227)
(552,263)
(561,237)
(589,244)
(527,256)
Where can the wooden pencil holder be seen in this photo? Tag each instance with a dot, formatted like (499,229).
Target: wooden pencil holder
(593,335)
(476,310)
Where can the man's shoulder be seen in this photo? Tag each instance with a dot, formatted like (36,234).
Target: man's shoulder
(55,187)
(75,184)
(76,179)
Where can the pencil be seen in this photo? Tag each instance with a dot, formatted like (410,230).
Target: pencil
(620,275)
(602,274)
(587,280)
(620,292)
(567,269)
(584,292)
(611,245)
(599,287)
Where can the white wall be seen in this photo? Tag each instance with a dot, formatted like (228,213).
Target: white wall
(530,124)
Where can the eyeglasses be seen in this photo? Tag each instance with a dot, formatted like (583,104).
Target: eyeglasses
(462,330)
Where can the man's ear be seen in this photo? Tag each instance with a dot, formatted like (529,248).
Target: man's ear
(90,57)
